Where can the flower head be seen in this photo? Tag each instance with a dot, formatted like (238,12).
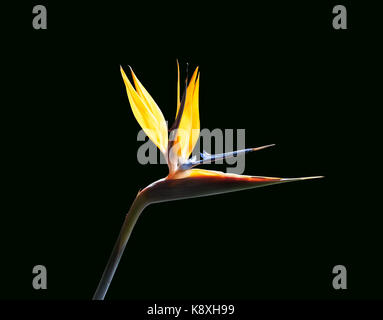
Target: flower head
(183,181)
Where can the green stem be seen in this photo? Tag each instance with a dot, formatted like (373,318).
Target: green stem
(135,210)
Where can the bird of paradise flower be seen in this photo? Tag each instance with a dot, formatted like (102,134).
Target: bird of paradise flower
(182,181)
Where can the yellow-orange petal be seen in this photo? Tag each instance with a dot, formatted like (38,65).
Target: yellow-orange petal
(147,113)
(190,120)
(178,88)
(195,116)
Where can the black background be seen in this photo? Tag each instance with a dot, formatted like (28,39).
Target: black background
(277,69)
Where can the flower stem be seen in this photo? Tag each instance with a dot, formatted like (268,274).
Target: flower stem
(131,218)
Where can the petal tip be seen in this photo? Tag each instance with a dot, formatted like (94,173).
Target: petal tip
(263,147)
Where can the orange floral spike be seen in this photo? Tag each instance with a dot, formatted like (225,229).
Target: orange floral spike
(189,121)
(178,88)
(183,181)
(147,113)
(195,122)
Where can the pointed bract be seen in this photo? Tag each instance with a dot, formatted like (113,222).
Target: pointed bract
(199,183)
